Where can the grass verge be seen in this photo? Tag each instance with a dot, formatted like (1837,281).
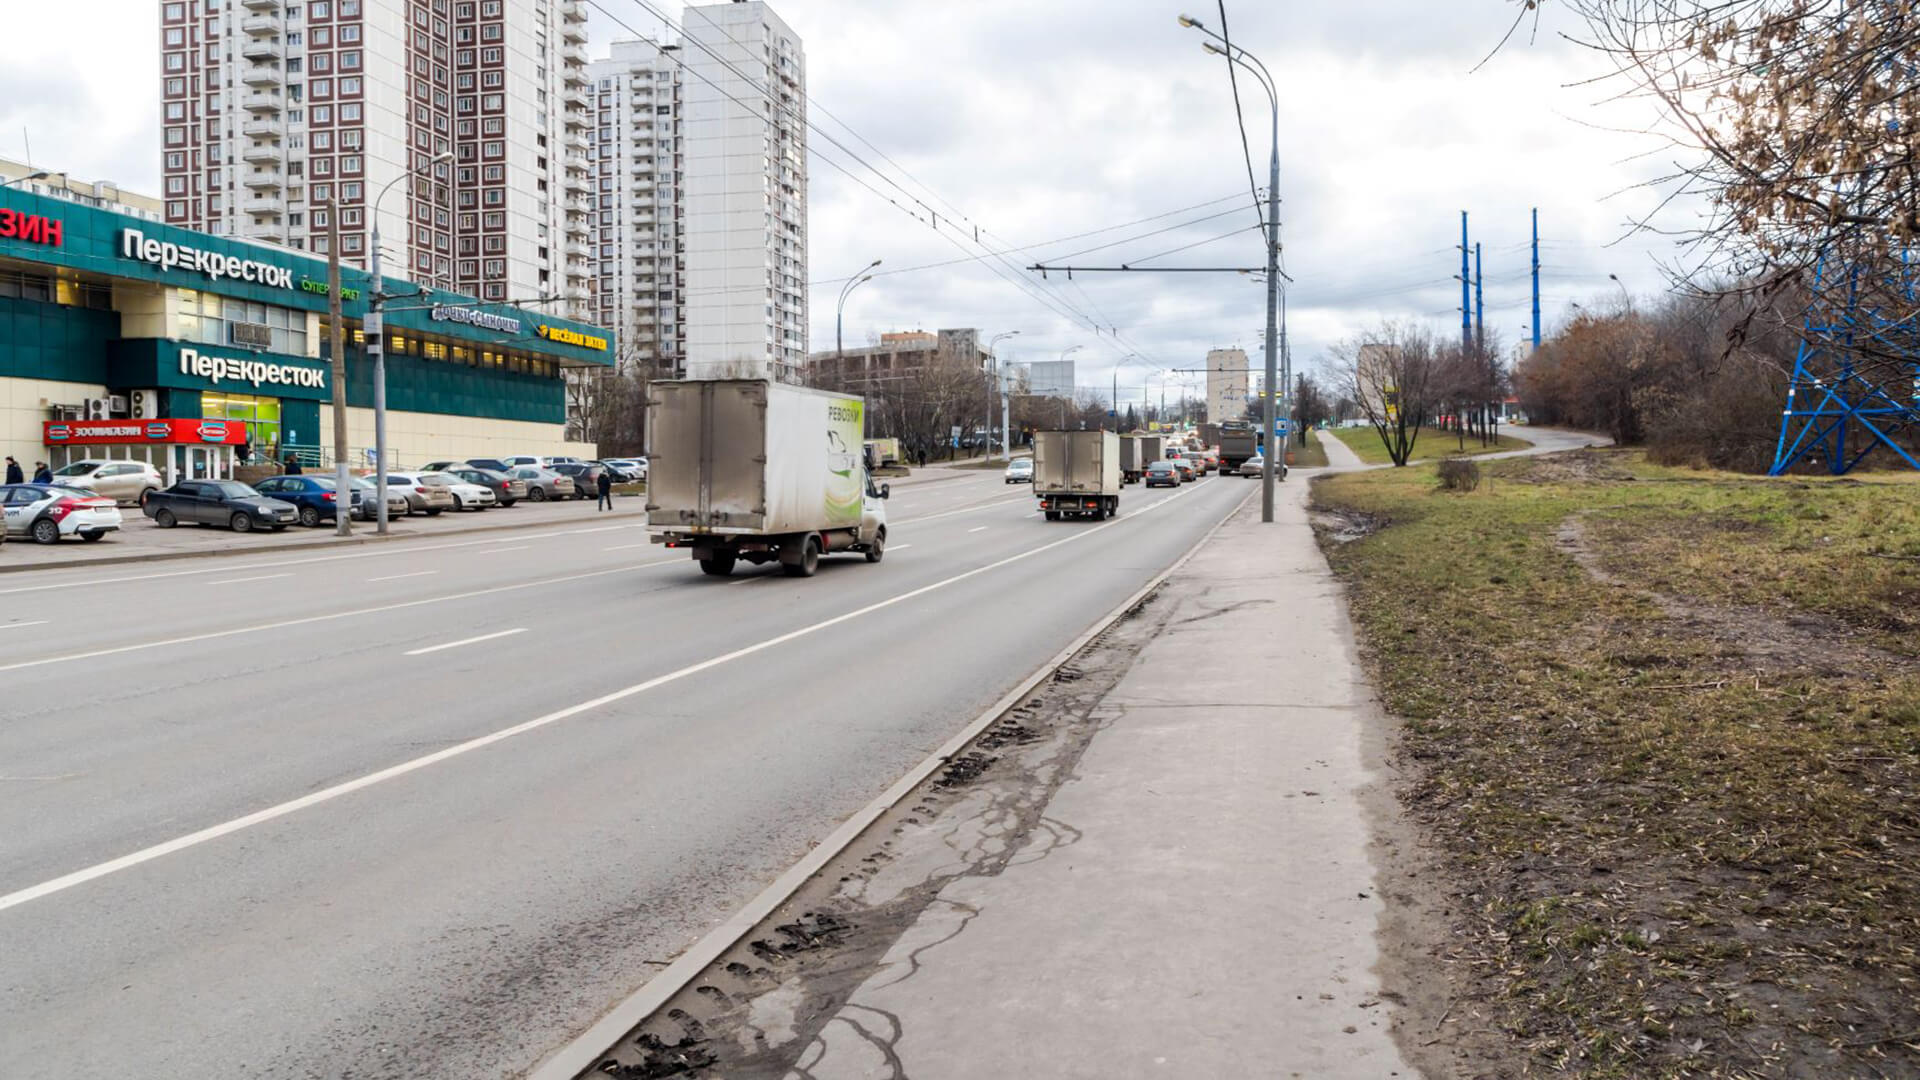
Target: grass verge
(1663,729)
(1431,443)
(1310,449)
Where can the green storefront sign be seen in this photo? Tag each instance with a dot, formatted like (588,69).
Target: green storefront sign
(179,365)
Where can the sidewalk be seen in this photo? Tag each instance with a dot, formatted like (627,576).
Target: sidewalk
(1216,913)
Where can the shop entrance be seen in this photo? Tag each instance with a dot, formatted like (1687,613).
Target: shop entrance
(260,414)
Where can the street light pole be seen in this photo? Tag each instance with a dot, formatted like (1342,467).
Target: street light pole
(997,383)
(1064,353)
(337,329)
(839,309)
(1237,55)
(374,329)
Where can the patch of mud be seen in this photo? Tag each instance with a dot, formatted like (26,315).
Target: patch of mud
(1763,641)
(763,1008)
(1343,526)
(1585,466)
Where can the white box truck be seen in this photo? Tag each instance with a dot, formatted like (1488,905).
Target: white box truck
(759,470)
(1077,473)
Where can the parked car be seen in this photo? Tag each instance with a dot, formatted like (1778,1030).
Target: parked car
(506,490)
(219,502)
(368,508)
(1253,466)
(48,512)
(586,478)
(314,496)
(543,484)
(467,495)
(1184,465)
(494,463)
(1162,474)
(629,470)
(424,496)
(1020,471)
(121,481)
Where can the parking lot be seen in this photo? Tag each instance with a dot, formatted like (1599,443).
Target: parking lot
(140,539)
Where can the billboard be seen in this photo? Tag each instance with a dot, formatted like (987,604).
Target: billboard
(1050,378)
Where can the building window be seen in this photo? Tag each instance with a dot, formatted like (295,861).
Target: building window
(350,85)
(350,60)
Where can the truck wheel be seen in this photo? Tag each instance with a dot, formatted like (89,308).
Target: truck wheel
(717,565)
(809,559)
(165,519)
(879,546)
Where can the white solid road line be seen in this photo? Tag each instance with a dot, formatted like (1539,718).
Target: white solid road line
(240,580)
(626,547)
(891,548)
(258,817)
(384,552)
(466,641)
(212,635)
(982,528)
(18,625)
(397,577)
(522,547)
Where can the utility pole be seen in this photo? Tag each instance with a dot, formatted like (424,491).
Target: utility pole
(1479,302)
(342,493)
(1536,278)
(1466,311)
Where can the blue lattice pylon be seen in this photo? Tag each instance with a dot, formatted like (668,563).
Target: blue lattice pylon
(1837,414)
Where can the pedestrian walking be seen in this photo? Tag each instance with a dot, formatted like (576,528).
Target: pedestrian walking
(42,474)
(605,485)
(293,466)
(14,475)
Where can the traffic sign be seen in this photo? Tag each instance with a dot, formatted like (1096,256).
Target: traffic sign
(1279,425)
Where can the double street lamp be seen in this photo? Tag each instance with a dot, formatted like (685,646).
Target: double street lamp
(997,384)
(1275,383)
(839,309)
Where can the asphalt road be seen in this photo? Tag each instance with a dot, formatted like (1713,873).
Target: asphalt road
(266,816)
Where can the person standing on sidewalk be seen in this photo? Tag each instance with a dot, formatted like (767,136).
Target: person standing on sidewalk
(604,483)
(14,475)
(293,466)
(42,474)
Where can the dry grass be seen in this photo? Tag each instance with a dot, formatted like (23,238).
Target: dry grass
(1665,727)
(1431,443)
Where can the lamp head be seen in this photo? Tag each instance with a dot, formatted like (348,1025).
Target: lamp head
(1190,22)
(1212,48)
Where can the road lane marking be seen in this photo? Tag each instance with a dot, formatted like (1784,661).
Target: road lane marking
(242,580)
(627,547)
(1002,501)
(982,528)
(898,547)
(18,625)
(466,641)
(404,549)
(522,547)
(213,635)
(325,795)
(397,577)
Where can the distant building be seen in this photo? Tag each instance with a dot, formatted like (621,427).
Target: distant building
(1228,385)
(638,243)
(898,356)
(104,194)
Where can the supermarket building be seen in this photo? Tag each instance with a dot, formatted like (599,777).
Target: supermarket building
(122,337)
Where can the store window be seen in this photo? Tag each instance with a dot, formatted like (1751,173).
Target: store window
(261,415)
(211,320)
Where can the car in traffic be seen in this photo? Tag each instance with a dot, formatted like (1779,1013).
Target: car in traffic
(543,484)
(1020,471)
(1184,465)
(1196,460)
(1162,474)
(423,496)
(314,497)
(367,505)
(506,490)
(122,481)
(47,513)
(1253,466)
(219,502)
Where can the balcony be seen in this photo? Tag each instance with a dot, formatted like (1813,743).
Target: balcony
(576,293)
(573,30)
(260,5)
(263,181)
(574,54)
(577,142)
(263,204)
(577,185)
(575,75)
(260,103)
(260,26)
(262,50)
(575,250)
(263,77)
(573,11)
(262,155)
(261,129)
(576,118)
(271,231)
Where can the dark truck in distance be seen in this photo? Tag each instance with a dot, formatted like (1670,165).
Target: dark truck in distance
(218,502)
(1238,442)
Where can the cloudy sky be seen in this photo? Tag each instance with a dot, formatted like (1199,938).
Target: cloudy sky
(1056,126)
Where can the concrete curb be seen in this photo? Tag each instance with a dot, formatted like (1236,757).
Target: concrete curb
(573,1059)
(349,541)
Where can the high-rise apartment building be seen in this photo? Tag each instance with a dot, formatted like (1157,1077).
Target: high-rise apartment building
(636,241)
(742,156)
(1229,382)
(277,113)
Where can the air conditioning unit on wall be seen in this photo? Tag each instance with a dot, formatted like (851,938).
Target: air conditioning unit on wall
(145,404)
(117,404)
(97,409)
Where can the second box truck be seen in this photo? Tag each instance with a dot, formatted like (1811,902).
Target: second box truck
(1077,473)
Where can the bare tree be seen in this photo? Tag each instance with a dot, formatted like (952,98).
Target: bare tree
(1389,374)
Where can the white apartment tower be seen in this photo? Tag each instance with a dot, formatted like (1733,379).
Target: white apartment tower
(275,113)
(743,161)
(1229,383)
(636,240)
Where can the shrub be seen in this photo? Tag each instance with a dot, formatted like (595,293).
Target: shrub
(1458,474)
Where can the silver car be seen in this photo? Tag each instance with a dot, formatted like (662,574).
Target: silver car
(121,481)
(367,508)
(425,497)
(544,484)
